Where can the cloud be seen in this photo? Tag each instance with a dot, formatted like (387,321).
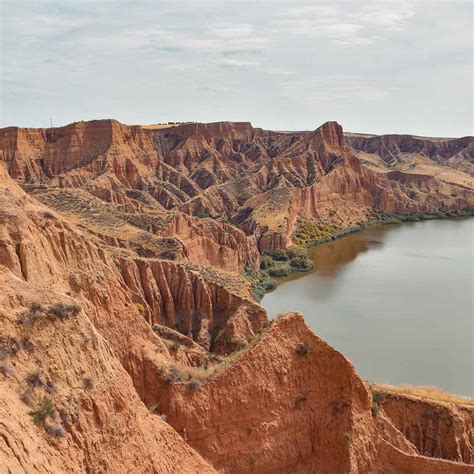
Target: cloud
(214,90)
(134,58)
(235,63)
(350,23)
(337,88)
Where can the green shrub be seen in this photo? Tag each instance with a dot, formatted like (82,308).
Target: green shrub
(45,410)
(266,262)
(153,407)
(280,255)
(293,252)
(264,284)
(202,214)
(280,271)
(375,408)
(377,399)
(301,263)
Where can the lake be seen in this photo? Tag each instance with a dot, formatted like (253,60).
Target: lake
(396,300)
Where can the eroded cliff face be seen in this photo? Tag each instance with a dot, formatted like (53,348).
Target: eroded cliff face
(95,421)
(254,179)
(65,369)
(307,410)
(437,428)
(127,329)
(180,297)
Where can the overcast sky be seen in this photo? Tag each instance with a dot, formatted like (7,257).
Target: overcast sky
(395,66)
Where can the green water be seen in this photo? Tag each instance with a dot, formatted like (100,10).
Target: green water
(396,300)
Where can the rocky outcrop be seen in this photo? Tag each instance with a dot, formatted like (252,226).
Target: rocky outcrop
(438,429)
(180,298)
(318,419)
(255,179)
(214,243)
(113,312)
(96,422)
(307,411)
(453,152)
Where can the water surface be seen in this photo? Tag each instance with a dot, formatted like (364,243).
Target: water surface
(396,300)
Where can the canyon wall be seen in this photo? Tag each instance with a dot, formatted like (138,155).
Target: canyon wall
(129,339)
(254,179)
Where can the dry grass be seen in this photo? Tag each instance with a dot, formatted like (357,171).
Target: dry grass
(159,126)
(425,393)
(180,373)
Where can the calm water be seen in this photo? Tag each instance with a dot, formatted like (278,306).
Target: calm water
(396,300)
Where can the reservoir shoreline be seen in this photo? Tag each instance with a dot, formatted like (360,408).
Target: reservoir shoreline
(390,293)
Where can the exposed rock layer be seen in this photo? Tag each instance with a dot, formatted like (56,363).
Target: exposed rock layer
(258,180)
(115,222)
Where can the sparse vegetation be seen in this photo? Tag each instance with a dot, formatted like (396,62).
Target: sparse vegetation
(6,368)
(428,394)
(27,344)
(141,308)
(175,346)
(9,346)
(194,385)
(377,399)
(58,310)
(174,376)
(203,214)
(49,386)
(28,317)
(63,311)
(28,397)
(89,383)
(36,379)
(45,410)
(153,407)
(302,349)
(300,399)
(57,430)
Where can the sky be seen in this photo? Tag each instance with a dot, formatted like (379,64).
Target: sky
(384,66)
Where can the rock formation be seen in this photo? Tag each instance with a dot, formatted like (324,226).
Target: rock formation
(255,179)
(129,339)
